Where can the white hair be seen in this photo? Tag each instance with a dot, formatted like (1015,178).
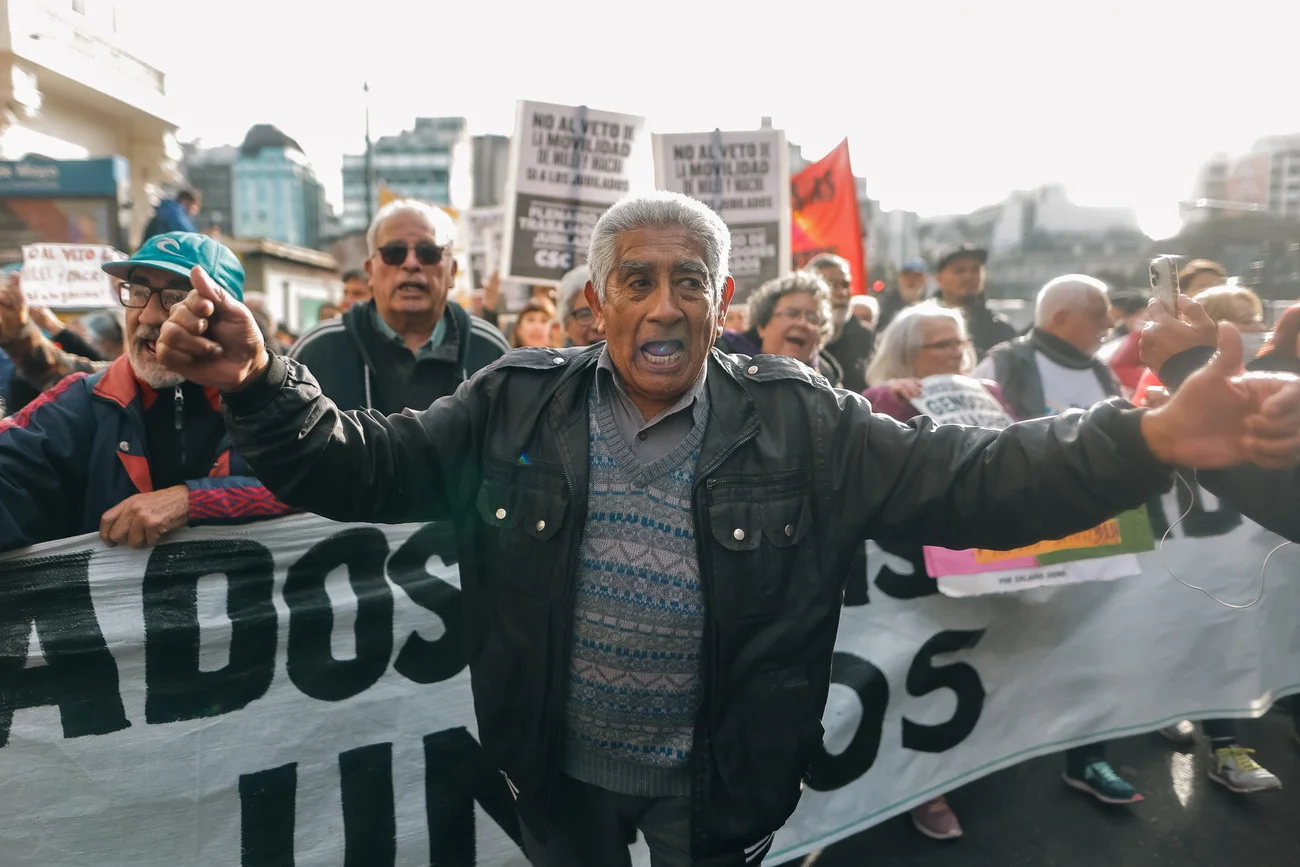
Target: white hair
(444,230)
(660,210)
(1069,292)
(572,285)
(900,342)
(867,301)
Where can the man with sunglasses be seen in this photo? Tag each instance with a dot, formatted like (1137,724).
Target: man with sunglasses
(133,451)
(410,344)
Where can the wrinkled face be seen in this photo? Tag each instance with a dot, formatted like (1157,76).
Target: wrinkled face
(144,325)
(841,287)
(533,329)
(410,288)
(580,326)
(942,351)
(910,285)
(1084,327)
(355,291)
(794,329)
(659,316)
(963,278)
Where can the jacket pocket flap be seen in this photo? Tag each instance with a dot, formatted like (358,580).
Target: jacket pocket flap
(535,507)
(736,526)
(786,521)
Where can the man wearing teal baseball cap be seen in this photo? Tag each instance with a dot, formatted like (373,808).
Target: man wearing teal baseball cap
(132,450)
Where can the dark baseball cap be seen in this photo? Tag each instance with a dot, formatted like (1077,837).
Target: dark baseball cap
(179,252)
(953,252)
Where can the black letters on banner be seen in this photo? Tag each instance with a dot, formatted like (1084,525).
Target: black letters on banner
(456,774)
(827,772)
(79,675)
(369,817)
(175,688)
(266,817)
(421,660)
(913,585)
(312,666)
(923,678)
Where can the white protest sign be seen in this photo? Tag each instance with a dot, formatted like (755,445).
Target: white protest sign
(295,691)
(745,178)
(68,276)
(954,399)
(483,230)
(567,165)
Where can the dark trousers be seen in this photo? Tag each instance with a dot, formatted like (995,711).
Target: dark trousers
(587,829)
(1077,758)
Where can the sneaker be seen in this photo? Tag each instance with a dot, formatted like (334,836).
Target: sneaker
(1234,768)
(1181,732)
(936,820)
(1100,780)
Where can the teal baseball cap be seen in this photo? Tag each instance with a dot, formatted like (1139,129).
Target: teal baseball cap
(179,252)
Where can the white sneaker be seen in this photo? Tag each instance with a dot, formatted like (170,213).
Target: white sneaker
(1234,768)
(1181,732)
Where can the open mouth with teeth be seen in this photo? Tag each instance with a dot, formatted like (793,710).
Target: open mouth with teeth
(411,286)
(663,353)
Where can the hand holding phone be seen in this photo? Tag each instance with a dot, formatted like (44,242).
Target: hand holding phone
(1164,281)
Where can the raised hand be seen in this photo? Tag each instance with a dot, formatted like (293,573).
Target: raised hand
(1166,335)
(13,307)
(212,339)
(1218,419)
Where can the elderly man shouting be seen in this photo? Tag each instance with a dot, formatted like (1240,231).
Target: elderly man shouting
(654,536)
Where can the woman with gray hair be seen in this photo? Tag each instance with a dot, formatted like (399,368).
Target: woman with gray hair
(791,316)
(926,339)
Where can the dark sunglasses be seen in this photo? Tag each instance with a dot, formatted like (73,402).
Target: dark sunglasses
(137,295)
(425,252)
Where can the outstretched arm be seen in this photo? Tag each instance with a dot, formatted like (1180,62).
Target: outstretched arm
(345,466)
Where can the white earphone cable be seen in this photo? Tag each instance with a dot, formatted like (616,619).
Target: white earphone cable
(1263,570)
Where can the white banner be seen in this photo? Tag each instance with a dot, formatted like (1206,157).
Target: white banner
(567,165)
(955,399)
(745,178)
(295,691)
(68,276)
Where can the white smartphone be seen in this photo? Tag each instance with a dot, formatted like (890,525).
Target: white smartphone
(1164,281)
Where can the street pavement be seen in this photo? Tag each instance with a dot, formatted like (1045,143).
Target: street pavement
(1026,817)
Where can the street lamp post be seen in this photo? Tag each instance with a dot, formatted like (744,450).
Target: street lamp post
(370,165)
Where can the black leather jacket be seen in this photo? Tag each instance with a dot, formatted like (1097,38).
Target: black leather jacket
(805,471)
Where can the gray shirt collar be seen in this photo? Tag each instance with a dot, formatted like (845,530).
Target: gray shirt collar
(611,383)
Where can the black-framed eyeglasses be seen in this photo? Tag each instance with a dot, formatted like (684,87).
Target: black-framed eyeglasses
(395,254)
(582,314)
(137,295)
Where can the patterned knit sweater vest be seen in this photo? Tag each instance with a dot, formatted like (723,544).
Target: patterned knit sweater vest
(634,675)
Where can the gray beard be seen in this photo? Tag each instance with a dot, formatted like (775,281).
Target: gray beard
(151,373)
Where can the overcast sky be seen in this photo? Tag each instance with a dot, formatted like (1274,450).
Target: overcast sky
(947,105)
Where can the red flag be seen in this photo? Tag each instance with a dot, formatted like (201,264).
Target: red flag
(826,219)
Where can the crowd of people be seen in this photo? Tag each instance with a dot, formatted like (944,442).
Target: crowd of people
(580,565)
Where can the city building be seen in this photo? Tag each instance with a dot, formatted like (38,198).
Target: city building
(264,188)
(87,133)
(211,171)
(430,162)
(1266,178)
(491,154)
(1035,235)
(277,195)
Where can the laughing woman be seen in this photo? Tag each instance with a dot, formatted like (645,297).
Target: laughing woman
(791,316)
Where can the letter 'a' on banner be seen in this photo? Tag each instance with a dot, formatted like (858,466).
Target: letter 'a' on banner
(824,199)
(567,165)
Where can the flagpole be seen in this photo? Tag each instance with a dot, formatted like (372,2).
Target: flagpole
(370,164)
